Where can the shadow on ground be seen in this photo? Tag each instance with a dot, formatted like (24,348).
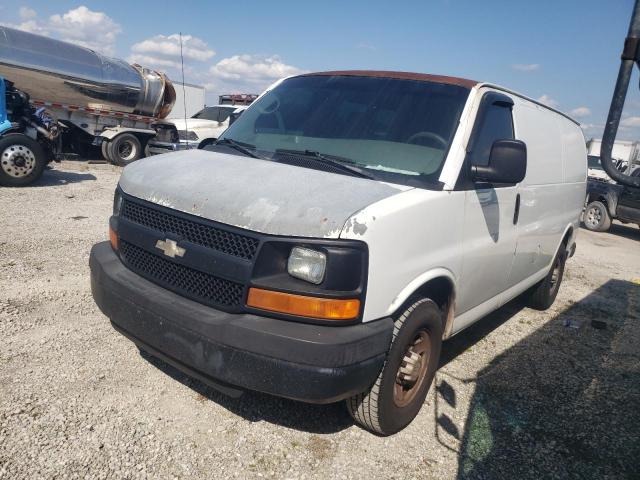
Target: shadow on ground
(563,402)
(258,407)
(630,231)
(52,177)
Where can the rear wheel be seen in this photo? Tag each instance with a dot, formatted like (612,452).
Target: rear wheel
(596,217)
(398,393)
(22,160)
(543,294)
(125,149)
(105,150)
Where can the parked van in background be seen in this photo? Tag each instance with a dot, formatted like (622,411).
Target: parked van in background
(202,129)
(343,227)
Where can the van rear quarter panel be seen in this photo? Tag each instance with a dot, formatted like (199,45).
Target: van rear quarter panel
(413,237)
(553,191)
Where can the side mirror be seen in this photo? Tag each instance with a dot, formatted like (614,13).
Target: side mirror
(233,117)
(507,163)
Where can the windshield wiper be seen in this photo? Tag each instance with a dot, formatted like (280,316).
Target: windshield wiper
(343,163)
(240,147)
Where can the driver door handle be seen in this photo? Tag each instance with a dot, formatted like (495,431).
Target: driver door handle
(516,212)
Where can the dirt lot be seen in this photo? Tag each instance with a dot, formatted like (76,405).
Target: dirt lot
(522,394)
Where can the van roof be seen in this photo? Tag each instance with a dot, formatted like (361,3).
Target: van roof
(424,77)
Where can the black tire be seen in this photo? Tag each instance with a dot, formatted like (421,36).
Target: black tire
(378,409)
(125,149)
(542,295)
(22,160)
(596,217)
(105,150)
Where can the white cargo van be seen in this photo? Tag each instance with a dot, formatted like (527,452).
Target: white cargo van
(343,227)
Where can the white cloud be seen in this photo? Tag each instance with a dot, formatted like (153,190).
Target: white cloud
(84,27)
(365,46)
(80,26)
(246,74)
(525,67)
(31,26)
(547,100)
(253,69)
(580,112)
(27,13)
(630,122)
(164,51)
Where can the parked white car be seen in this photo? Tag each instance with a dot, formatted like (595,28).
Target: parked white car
(343,227)
(200,130)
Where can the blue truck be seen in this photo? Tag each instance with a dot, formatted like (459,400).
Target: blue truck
(27,138)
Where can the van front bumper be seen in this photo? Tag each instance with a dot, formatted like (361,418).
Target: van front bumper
(312,363)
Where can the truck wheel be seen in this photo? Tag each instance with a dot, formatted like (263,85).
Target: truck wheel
(596,217)
(544,293)
(125,149)
(22,160)
(105,150)
(398,393)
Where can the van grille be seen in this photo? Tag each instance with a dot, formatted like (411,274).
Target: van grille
(186,281)
(208,236)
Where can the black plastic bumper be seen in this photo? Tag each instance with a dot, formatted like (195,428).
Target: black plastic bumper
(313,363)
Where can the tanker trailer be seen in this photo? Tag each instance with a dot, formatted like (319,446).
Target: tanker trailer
(96,100)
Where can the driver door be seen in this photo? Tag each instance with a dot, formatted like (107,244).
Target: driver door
(490,235)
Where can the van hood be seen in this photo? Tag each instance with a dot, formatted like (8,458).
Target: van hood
(254,194)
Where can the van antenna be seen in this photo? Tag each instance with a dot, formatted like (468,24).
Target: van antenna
(184,93)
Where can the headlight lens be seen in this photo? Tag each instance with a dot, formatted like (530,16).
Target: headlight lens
(117,203)
(307,264)
(187,135)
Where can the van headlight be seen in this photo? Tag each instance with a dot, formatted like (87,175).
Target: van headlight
(307,264)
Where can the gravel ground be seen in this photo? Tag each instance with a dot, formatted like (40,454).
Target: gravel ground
(523,394)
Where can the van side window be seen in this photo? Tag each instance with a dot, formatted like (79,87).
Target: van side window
(497,124)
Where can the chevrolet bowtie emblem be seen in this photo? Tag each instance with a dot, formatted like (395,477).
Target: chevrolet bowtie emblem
(170,248)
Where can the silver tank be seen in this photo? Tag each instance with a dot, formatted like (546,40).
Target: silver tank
(55,71)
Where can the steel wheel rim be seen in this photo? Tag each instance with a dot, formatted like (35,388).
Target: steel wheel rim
(412,371)
(18,161)
(593,217)
(126,150)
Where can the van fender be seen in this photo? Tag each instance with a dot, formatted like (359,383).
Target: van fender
(569,234)
(421,280)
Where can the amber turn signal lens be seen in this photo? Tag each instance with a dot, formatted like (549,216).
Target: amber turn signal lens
(325,308)
(113,238)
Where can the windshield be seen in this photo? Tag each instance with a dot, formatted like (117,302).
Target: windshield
(217,114)
(393,128)
(594,162)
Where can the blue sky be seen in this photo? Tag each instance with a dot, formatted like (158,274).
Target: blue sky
(565,52)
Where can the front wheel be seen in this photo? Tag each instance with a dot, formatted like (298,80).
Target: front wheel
(398,393)
(125,149)
(22,160)
(596,217)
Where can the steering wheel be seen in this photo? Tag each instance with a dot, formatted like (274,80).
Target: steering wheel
(428,135)
(272,108)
